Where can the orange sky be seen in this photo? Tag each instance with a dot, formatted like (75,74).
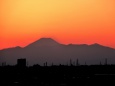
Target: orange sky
(67,21)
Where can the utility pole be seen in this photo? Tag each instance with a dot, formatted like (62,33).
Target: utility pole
(70,62)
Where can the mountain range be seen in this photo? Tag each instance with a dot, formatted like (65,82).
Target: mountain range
(49,50)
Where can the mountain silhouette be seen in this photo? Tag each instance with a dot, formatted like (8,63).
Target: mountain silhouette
(48,50)
(44,42)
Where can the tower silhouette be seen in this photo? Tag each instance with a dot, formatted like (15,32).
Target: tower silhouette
(106,61)
(77,62)
(70,62)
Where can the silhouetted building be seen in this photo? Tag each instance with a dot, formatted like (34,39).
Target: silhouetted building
(21,62)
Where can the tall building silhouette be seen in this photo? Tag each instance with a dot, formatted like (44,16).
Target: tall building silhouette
(21,62)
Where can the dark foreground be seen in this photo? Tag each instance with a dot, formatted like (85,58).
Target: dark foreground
(58,76)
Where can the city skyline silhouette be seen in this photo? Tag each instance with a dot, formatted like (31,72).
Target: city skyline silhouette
(58,75)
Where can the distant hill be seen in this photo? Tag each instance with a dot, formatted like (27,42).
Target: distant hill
(47,49)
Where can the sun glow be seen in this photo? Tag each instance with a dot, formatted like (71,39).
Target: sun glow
(68,21)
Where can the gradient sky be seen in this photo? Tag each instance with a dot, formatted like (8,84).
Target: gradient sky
(67,21)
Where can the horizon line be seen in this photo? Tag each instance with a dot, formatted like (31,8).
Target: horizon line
(57,42)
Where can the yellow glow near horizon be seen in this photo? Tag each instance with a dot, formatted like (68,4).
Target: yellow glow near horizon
(69,21)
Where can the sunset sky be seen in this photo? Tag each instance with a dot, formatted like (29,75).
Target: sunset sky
(67,21)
